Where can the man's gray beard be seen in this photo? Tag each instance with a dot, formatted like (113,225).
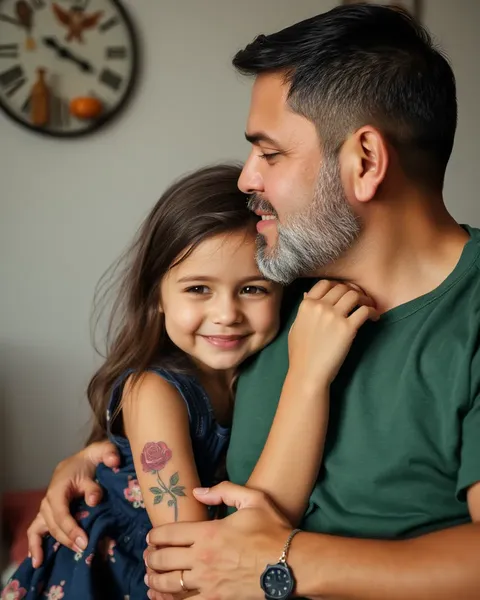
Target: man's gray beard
(313,238)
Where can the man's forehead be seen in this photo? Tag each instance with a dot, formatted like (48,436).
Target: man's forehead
(268,102)
(269,90)
(271,119)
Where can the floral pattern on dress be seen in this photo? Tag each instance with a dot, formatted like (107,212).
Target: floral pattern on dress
(13,591)
(82,514)
(111,550)
(133,494)
(55,592)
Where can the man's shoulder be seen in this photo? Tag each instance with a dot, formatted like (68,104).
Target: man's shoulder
(474,242)
(475,238)
(469,276)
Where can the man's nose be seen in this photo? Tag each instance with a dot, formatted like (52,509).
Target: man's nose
(250,180)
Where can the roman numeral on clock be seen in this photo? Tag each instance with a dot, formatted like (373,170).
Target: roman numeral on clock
(111,79)
(108,24)
(12,80)
(8,50)
(26,106)
(116,52)
(11,20)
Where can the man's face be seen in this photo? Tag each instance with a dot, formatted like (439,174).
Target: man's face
(307,222)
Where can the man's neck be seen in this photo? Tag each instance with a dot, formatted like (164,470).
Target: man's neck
(402,254)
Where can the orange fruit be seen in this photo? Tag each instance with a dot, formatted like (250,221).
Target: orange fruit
(85,107)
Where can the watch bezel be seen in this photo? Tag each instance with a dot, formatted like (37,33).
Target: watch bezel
(291,585)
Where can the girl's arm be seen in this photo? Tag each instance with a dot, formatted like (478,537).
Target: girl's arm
(288,466)
(156,423)
(327,322)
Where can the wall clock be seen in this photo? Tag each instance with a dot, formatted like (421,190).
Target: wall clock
(67,67)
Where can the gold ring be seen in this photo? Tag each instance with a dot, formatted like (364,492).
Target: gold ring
(182,583)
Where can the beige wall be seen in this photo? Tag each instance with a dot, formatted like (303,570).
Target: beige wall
(68,208)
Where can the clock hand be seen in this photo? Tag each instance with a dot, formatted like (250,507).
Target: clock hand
(65,53)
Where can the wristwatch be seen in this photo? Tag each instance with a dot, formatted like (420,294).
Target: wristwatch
(277,581)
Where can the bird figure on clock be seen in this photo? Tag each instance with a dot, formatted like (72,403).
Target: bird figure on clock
(67,67)
(76,20)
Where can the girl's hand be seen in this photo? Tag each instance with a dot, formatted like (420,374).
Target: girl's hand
(72,478)
(327,322)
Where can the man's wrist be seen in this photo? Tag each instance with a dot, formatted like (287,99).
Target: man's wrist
(305,559)
(277,580)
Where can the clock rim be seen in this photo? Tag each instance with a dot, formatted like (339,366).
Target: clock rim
(110,116)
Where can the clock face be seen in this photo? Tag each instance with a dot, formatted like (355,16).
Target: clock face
(277,581)
(66,66)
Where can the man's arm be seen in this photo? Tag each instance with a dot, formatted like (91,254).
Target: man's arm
(224,559)
(441,565)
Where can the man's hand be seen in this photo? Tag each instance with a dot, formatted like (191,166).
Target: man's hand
(224,559)
(72,478)
(221,559)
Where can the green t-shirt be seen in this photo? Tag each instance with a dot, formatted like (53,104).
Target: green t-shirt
(403,441)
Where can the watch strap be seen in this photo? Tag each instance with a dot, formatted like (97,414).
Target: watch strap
(283,557)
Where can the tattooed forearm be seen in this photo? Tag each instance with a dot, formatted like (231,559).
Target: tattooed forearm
(155,456)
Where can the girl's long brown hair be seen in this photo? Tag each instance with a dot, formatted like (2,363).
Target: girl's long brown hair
(203,204)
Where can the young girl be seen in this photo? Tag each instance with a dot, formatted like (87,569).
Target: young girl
(191,309)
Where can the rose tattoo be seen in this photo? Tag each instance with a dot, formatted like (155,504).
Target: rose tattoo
(154,457)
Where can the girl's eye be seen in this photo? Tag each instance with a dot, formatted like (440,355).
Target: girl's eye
(198,289)
(269,157)
(254,290)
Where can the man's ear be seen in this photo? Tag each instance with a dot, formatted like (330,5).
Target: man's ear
(366,155)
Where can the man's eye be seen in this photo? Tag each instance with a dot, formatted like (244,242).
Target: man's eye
(269,157)
(198,289)
(254,290)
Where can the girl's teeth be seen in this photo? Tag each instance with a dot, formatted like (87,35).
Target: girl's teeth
(268,217)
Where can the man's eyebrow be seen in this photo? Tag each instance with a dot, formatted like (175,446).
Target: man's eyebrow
(260,136)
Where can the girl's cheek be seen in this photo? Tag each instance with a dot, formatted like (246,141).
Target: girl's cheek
(183,318)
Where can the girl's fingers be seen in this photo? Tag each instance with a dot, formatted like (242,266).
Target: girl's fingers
(319,290)
(363,314)
(35,533)
(350,300)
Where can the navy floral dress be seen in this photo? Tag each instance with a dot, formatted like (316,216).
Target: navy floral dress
(112,567)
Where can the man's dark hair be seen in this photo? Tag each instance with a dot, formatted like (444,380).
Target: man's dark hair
(366,64)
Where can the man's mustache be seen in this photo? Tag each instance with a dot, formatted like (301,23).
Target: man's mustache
(257,203)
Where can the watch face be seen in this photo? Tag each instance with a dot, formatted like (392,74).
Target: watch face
(277,581)
(66,66)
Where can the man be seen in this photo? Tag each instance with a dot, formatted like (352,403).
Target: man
(352,123)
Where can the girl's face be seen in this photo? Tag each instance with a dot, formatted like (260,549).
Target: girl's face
(218,307)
